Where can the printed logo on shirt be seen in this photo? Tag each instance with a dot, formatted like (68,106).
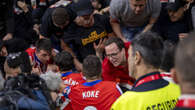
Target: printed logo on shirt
(66,91)
(89,94)
(167,105)
(93,37)
(70,82)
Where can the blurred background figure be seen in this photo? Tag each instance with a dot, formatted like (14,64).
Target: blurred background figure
(6,19)
(167,62)
(26,90)
(184,72)
(24,25)
(13,45)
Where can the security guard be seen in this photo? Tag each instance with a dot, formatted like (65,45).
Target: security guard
(150,91)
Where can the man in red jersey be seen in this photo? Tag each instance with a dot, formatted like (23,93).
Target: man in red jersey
(94,94)
(115,66)
(40,55)
(64,61)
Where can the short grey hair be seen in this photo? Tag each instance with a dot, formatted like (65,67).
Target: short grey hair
(52,79)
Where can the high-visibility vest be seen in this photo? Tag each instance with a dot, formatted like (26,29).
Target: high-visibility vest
(164,98)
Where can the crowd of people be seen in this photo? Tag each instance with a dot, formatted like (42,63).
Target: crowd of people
(97,54)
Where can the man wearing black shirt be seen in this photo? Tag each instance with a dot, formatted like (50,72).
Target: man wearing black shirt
(54,22)
(88,29)
(24,25)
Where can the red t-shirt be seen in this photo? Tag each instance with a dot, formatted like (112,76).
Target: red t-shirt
(117,74)
(71,79)
(99,95)
(36,62)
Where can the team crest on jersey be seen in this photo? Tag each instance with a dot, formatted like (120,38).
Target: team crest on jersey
(66,91)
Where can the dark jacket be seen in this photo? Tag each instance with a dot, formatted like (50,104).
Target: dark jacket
(6,17)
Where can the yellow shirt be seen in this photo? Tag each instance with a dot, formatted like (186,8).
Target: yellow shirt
(158,99)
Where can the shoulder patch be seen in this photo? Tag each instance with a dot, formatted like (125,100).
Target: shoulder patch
(66,91)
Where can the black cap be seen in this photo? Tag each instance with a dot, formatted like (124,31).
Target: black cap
(84,7)
(174,6)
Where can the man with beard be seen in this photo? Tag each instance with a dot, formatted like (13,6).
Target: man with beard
(88,29)
(144,60)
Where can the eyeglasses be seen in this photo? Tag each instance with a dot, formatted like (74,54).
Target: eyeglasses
(113,54)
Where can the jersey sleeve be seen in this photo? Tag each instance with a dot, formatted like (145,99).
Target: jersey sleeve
(66,91)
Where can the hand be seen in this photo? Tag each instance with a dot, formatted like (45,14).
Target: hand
(99,49)
(190,1)
(52,67)
(3,51)
(183,36)
(54,96)
(65,47)
(36,28)
(62,87)
(186,7)
(96,12)
(8,36)
(104,10)
(42,37)
(54,52)
(78,20)
(124,39)
(23,6)
(36,70)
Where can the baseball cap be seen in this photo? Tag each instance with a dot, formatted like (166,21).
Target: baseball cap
(84,7)
(174,6)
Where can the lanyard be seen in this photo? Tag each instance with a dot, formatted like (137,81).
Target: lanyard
(148,79)
(187,103)
(165,75)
